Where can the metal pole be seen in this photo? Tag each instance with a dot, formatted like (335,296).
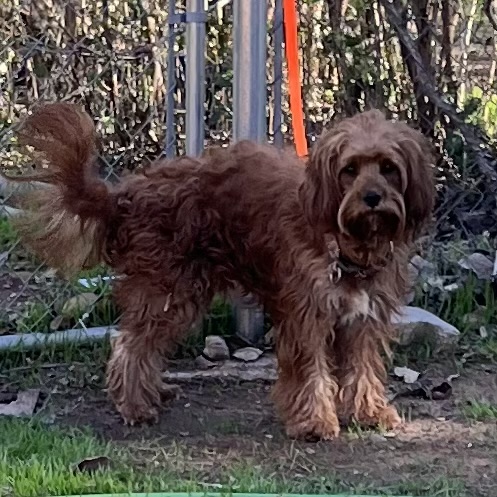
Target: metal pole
(196,18)
(249,58)
(249,118)
(170,149)
(278,72)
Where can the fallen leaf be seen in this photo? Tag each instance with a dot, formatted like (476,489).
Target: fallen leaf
(78,304)
(56,323)
(406,374)
(93,464)
(483,332)
(442,391)
(24,276)
(452,287)
(481,265)
(23,406)
(426,389)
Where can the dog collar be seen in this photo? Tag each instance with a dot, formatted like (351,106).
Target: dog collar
(340,264)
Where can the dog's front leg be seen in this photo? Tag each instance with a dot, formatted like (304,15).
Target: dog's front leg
(305,390)
(361,374)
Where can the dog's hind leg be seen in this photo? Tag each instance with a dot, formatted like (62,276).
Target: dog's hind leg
(152,324)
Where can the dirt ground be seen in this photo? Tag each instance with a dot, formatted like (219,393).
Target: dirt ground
(220,421)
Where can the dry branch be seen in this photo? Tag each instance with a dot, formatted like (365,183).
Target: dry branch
(490,9)
(477,143)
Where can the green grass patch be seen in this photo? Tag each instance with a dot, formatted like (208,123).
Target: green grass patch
(472,308)
(8,235)
(480,411)
(36,460)
(40,460)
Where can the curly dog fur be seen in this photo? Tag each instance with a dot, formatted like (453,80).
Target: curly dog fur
(323,247)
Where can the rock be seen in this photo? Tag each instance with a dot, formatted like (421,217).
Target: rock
(263,369)
(216,348)
(204,363)
(78,304)
(416,325)
(247,354)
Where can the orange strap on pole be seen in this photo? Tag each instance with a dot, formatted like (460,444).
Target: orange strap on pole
(294,84)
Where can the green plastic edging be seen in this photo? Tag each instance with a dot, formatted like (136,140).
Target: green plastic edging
(226,494)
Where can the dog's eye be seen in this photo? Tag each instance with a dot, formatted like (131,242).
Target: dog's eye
(350,169)
(387,167)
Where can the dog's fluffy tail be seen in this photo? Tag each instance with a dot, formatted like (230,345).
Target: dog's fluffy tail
(65,222)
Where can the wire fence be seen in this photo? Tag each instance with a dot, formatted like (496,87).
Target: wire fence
(430,62)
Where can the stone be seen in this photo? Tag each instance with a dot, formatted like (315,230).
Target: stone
(247,354)
(417,325)
(204,363)
(264,369)
(216,348)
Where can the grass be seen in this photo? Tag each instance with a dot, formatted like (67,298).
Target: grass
(470,308)
(480,411)
(40,460)
(8,235)
(37,460)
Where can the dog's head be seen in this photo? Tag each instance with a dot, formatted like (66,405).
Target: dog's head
(369,181)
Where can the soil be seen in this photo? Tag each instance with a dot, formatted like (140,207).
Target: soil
(217,422)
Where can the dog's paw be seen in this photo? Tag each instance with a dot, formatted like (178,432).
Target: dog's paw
(310,431)
(134,414)
(386,418)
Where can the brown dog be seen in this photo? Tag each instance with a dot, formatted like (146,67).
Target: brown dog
(323,247)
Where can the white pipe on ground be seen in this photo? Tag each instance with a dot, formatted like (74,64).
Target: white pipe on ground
(38,340)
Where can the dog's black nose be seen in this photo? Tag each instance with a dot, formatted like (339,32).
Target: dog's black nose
(372,199)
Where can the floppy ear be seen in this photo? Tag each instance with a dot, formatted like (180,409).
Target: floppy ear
(419,197)
(320,194)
